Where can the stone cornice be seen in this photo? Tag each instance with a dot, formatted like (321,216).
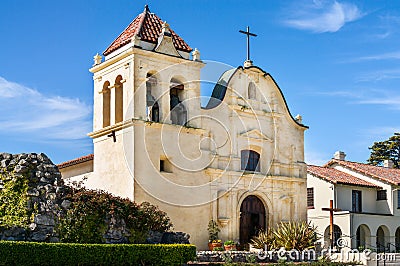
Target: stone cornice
(138,51)
(258,176)
(138,122)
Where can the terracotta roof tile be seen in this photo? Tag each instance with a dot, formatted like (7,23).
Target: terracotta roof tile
(338,177)
(148,26)
(76,161)
(390,175)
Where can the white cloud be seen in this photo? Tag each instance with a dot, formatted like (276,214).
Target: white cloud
(382,133)
(370,96)
(384,56)
(340,93)
(392,102)
(380,75)
(25,110)
(316,158)
(382,35)
(324,16)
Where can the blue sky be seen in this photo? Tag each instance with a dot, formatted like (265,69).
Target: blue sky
(337,63)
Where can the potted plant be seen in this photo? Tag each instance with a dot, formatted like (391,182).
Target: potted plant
(218,249)
(213,231)
(229,245)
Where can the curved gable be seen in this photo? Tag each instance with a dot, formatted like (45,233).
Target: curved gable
(219,91)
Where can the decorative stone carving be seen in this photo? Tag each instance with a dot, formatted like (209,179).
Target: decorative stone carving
(223,221)
(299,119)
(165,44)
(97,59)
(196,55)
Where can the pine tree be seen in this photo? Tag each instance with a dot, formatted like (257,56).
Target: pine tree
(386,150)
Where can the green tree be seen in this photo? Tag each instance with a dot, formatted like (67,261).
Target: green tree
(386,150)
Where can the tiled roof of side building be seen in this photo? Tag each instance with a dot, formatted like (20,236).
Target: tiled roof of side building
(75,161)
(338,177)
(390,175)
(148,26)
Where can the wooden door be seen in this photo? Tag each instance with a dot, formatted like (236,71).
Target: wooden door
(252,218)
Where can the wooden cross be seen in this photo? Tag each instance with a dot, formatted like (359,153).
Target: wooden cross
(248,33)
(331,210)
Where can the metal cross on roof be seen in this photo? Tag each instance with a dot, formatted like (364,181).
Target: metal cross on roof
(248,34)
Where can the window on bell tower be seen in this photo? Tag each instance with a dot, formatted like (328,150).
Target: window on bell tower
(106,104)
(152,107)
(178,110)
(119,100)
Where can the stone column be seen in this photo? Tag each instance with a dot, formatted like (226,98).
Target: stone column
(140,98)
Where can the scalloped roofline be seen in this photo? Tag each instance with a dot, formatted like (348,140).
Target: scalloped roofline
(265,75)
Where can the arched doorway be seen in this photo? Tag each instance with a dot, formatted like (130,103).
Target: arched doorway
(363,235)
(381,234)
(252,218)
(337,233)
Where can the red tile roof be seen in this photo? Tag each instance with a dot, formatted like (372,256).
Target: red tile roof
(338,177)
(148,26)
(76,161)
(390,175)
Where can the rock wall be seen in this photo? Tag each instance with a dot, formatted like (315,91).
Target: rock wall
(43,196)
(33,199)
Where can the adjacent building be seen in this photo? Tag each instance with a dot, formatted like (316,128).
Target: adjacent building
(368,198)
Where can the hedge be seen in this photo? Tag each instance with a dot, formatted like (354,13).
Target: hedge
(31,253)
(314,263)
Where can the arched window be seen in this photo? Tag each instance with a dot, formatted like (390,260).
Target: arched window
(252,92)
(250,160)
(106,104)
(119,100)
(177,108)
(153,110)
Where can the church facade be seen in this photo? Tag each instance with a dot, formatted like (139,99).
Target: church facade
(238,161)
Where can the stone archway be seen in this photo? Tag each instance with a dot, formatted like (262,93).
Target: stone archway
(363,237)
(252,218)
(337,233)
(382,236)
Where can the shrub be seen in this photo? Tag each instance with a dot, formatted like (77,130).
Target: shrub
(295,235)
(265,239)
(289,235)
(92,213)
(14,200)
(31,253)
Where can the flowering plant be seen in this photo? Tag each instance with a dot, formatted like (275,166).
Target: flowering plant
(229,243)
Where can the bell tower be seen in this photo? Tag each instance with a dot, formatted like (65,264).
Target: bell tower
(147,75)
